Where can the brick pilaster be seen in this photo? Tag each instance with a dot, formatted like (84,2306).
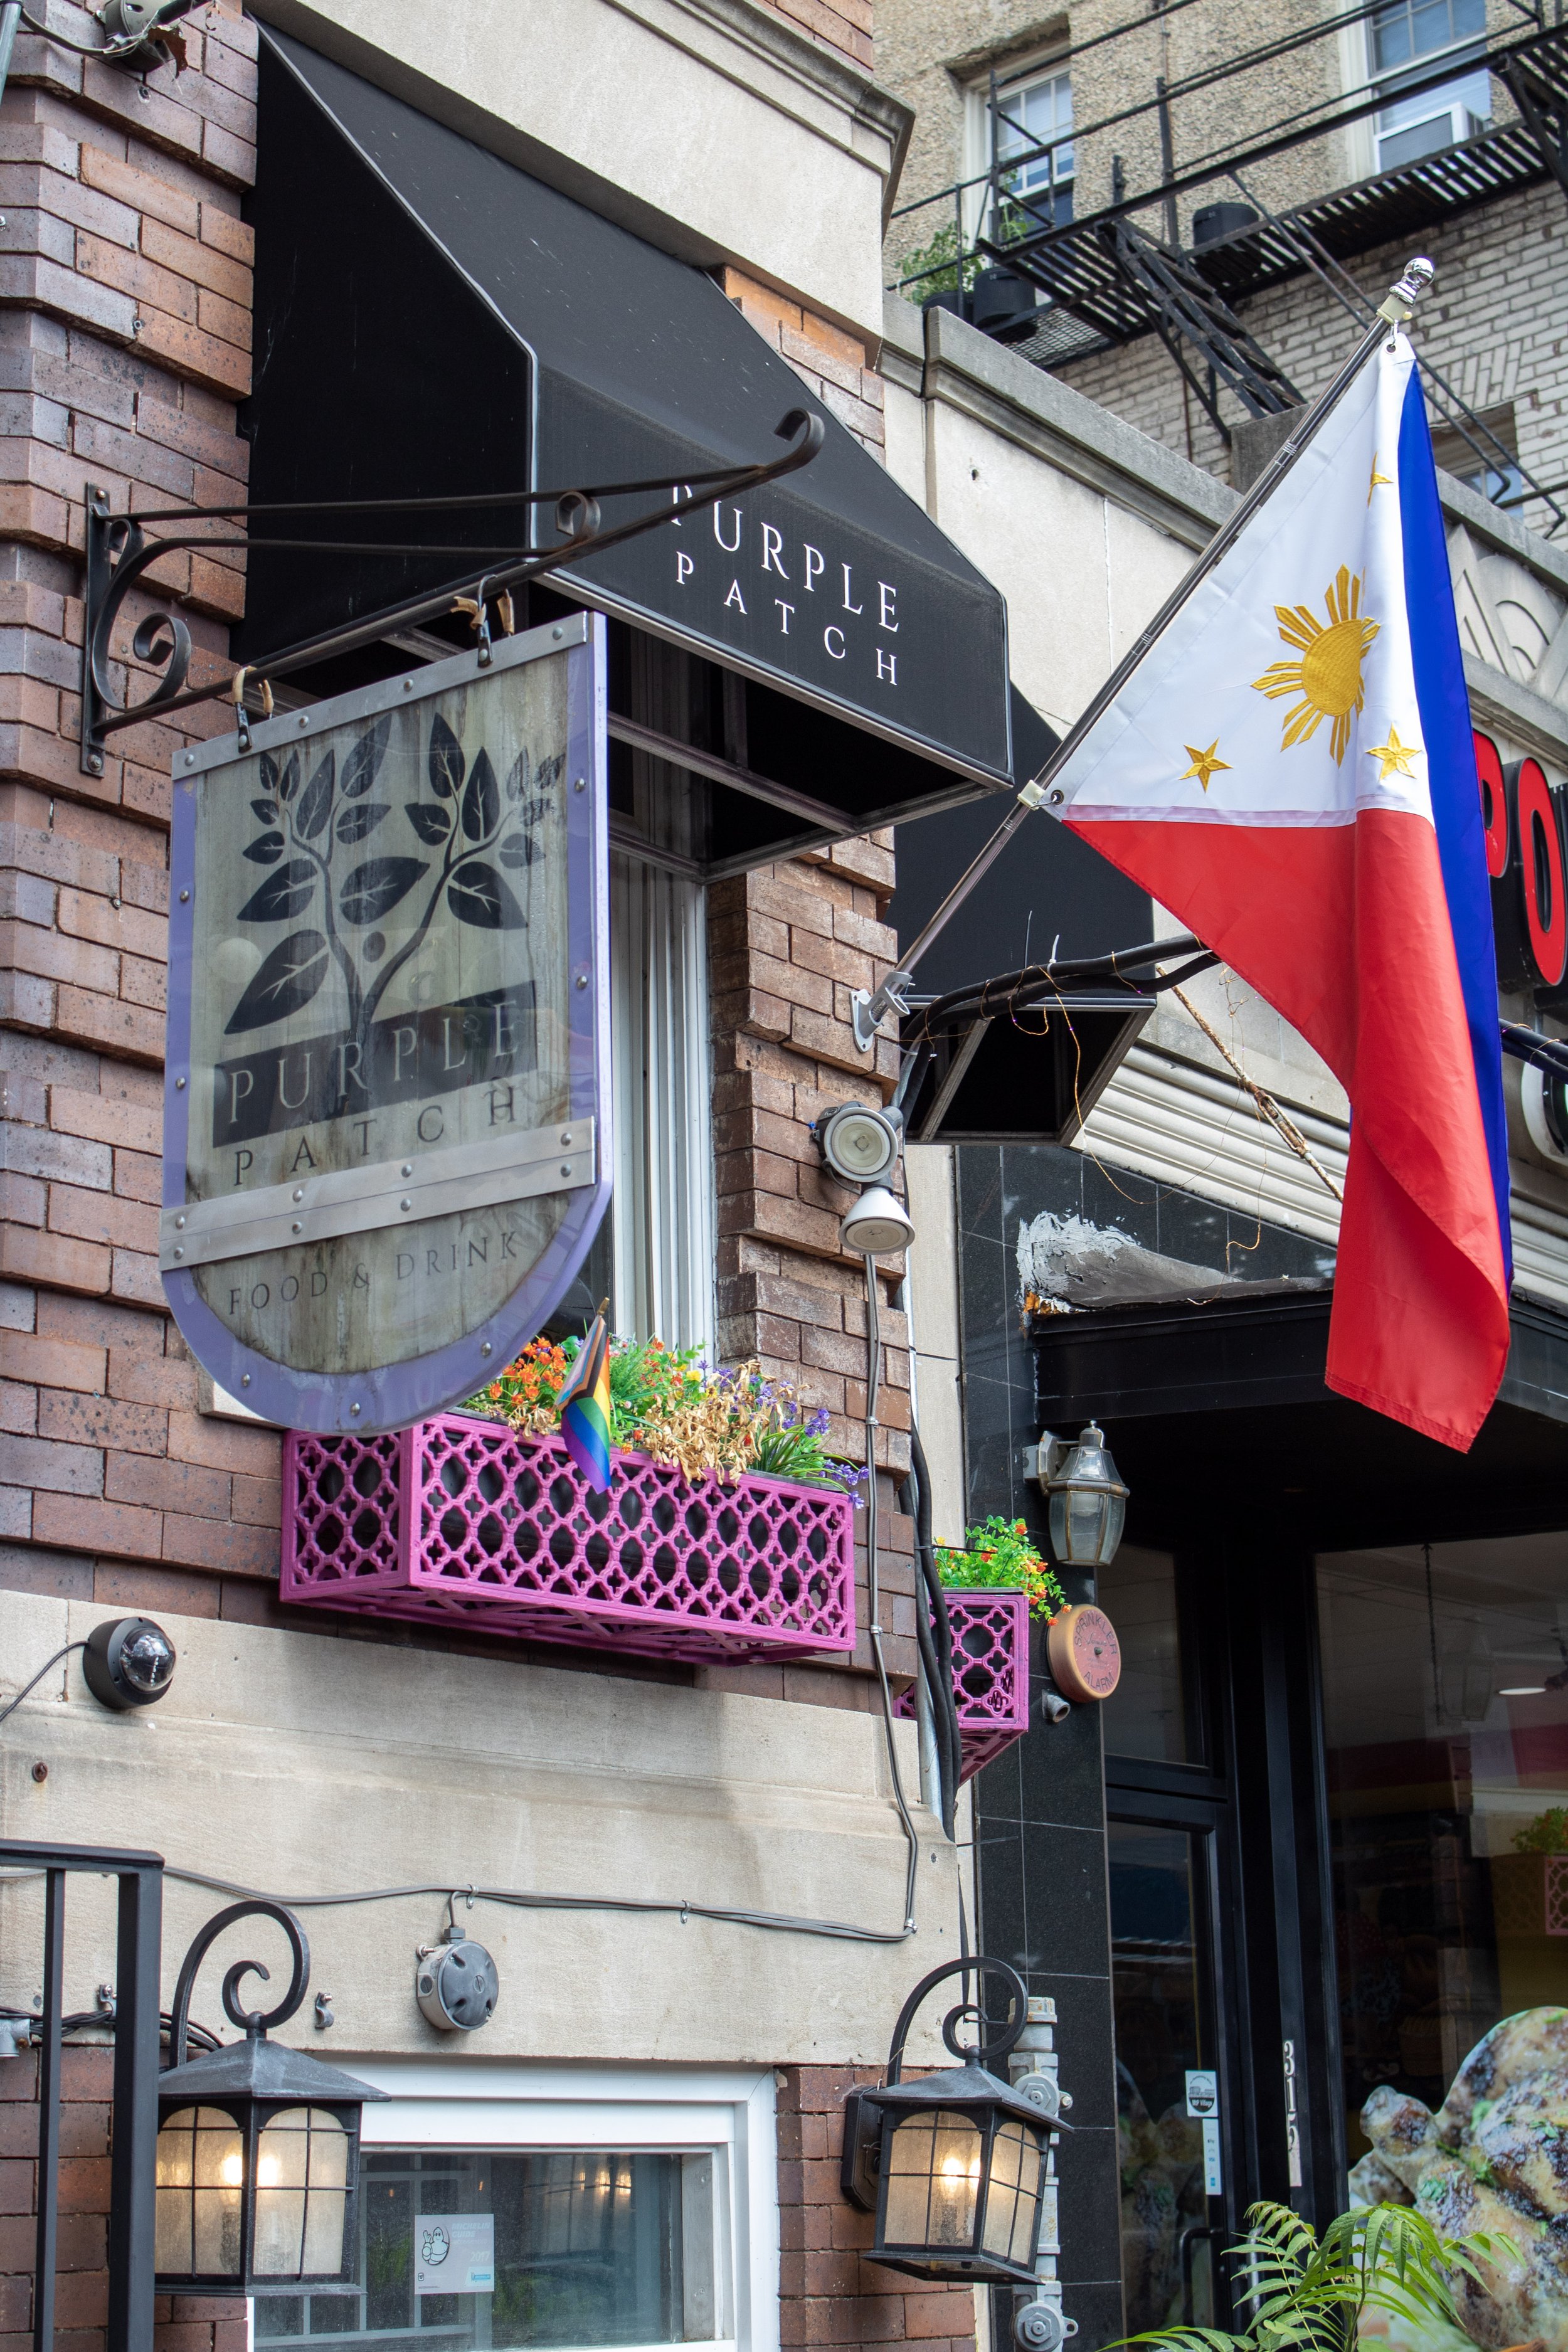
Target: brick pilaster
(829,2292)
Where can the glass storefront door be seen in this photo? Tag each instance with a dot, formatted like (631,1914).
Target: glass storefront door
(1169,1831)
(1445,1678)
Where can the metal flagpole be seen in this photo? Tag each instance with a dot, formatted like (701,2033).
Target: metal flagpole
(869,1010)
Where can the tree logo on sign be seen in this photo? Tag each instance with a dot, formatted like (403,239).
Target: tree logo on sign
(308,838)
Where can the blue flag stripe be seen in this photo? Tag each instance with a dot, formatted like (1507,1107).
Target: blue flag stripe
(1445,707)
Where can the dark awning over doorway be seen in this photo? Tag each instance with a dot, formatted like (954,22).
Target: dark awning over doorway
(431,319)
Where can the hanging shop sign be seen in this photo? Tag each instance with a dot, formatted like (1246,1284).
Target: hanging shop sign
(386,1144)
(1526,857)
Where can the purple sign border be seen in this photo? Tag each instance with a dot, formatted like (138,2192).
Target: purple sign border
(397,1395)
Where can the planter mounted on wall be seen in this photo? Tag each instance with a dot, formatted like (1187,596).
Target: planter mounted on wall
(990,1673)
(461,1521)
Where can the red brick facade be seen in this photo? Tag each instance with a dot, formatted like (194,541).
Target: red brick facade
(829,2294)
(124,346)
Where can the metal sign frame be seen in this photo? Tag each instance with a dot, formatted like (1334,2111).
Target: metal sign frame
(335,1203)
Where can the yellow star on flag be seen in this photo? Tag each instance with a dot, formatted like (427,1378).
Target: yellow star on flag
(1395,757)
(1205,763)
(1376,479)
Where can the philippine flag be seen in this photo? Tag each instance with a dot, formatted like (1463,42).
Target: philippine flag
(1289,769)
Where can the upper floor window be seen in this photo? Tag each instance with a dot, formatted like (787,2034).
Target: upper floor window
(1407,38)
(1029,117)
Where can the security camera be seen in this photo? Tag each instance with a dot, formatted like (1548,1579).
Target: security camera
(456,1984)
(858,1142)
(129,1661)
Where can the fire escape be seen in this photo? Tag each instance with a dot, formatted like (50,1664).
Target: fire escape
(1061,292)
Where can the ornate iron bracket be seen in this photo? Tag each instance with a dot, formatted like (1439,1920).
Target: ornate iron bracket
(119,552)
(255,2021)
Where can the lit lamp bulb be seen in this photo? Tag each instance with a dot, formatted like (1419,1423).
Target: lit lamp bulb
(268,2172)
(231,2171)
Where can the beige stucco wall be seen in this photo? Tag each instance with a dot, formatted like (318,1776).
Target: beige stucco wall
(298,1764)
(706,126)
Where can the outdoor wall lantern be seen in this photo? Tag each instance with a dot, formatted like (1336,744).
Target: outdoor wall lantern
(257,2145)
(953,2165)
(1088,1502)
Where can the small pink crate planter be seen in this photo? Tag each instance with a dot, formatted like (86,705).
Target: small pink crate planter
(461,1521)
(990,1671)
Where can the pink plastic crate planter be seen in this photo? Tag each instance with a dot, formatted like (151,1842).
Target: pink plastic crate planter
(462,1521)
(989,1674)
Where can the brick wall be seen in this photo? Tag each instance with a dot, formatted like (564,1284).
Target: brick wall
(841,25)
(828,358)
(829,2292)
(183,2323)
(1492,326)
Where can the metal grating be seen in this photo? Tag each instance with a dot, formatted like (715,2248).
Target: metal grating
(461,1521)
(989,1674)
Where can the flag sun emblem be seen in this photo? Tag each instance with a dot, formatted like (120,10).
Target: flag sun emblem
(1328,675)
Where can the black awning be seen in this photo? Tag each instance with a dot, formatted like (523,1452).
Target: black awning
(1219,1418)
(995,1079)
(432,320)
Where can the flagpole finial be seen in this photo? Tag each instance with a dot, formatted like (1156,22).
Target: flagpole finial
(1403,297)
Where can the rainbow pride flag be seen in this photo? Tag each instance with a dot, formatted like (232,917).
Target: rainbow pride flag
(586,1407)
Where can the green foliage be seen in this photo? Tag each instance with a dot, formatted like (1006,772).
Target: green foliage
(934,268)
(1547,1834)
(1000,1552)
(1379,2258)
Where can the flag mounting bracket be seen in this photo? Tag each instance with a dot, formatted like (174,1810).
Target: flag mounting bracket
(120,553)
(869,1009)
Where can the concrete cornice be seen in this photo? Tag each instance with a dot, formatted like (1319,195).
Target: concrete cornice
(1500,530)
(1538,727)
(1006,393)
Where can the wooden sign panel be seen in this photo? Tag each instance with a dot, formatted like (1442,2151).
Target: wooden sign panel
(386,1140)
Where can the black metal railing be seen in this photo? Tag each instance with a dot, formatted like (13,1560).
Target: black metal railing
(135,2140)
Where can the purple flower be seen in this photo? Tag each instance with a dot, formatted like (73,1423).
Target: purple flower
(817,1425)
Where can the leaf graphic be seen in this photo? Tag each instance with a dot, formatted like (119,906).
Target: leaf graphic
(282,895)
(288,784)
(518,849)
(548,773)
(269,773)
(476,895)
(482,801)
(446,761)
(432,825)
(360,767)
(266,810)
(354,823)
(266,850)
(517,776)
(287,978)
(316,801)
(373,889)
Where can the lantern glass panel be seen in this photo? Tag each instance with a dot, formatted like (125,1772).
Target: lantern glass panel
(1013,2198)
(302,2195)
(932,2170)
(201,2178)
(1086,1525)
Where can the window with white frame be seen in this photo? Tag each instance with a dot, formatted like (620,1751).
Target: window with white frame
(572,2210)
(1407,40)
(1030,116)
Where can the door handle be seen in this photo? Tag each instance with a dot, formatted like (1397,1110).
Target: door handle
(1185,2245)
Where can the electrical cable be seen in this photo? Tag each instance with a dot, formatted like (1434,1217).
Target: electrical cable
(934,1628)
(520,1899)
(873,1586)
(10,1709)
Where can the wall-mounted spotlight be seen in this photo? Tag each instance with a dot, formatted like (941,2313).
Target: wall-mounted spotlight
(128,1662)
(860,1142)
(877,1225)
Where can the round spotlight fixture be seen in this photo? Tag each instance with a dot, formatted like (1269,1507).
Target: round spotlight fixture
(858,1142)
(129,1661)
(877,1225)
(456,1985)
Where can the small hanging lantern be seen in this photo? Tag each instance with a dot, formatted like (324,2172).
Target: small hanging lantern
(1088,1500)
(954,2164)
(257,2145)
